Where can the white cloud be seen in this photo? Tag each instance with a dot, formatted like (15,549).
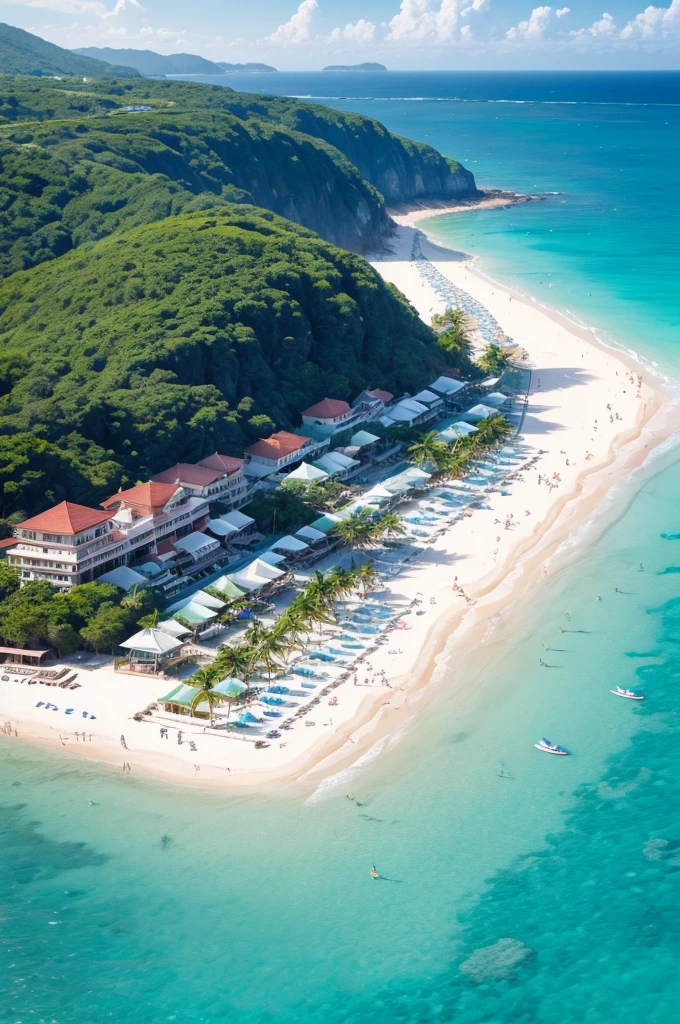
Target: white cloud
(562,11)
(297,29)
(466,32)
(645,24)
(121,5)
(80,6)
(603,28)
(434,20)
(473,8)
(361,32)
(533,29)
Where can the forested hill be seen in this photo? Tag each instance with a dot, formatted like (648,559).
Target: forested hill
(400,169)
(22,53)
(196,333)
(154,305)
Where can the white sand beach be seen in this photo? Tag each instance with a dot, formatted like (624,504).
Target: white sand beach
(592,415)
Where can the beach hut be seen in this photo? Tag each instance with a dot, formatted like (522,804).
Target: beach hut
(363,438)
(306,474)
(175,628)
(151,649)
(447,386)
(478,412)
(310,535)
(496,399)
(428,398)
(291,545)
(227,589)
(336,464)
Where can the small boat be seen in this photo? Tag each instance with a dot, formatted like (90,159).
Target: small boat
(551,748)
(630,694)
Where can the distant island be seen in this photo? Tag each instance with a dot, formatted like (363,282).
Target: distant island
(230,68)
(368,66)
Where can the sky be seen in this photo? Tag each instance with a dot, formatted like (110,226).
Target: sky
(402,34)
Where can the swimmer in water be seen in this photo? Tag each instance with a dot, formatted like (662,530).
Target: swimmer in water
(374,873)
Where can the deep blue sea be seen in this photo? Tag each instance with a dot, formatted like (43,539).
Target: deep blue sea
(519,888)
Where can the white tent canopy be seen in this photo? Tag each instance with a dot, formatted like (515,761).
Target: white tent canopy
(237,519)
(207,600)
(335,462)
(272,557)
(478,412)
(221,528)
(362,438)
(495,398)
(292,544)
(308,533)
(197,544)
(124,577)
(427,397)
(152,641)
(307,474)
(447,385)
(174,628)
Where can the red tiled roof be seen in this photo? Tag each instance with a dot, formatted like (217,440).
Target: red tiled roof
(328,409)
(278,445)
(144,499)
(8,542)
(383,396)
(66,518)
(188,473)
(225,463)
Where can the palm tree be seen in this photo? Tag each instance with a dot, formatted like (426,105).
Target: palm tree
(206,695)
(494,429)
(389,523)
(235,662)
(133,600)
(273,648)
(429,449)
(205,676)
(367,577)
(357,531)
(493,359)
(453,317)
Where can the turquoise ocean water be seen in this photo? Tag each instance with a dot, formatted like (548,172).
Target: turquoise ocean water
(261,908)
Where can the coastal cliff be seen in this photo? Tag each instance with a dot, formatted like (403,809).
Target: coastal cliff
(87,167)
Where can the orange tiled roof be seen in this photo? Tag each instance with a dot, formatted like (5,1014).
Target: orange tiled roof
(327,409)
(66,518)
(383,396)
(144,499)
(278,445)
(224,463)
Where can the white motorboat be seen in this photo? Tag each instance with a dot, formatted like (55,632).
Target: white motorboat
(551,748)
(630,694)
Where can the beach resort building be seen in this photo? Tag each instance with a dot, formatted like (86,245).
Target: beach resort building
(216,478)
(70,544)
(280,451)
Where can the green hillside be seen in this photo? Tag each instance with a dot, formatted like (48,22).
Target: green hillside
(89,168)
(22,53)
(149,63)
(202,331)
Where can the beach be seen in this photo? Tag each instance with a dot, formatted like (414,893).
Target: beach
(593,414)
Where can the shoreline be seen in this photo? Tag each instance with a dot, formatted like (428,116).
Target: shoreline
(499,589)
(409,214)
